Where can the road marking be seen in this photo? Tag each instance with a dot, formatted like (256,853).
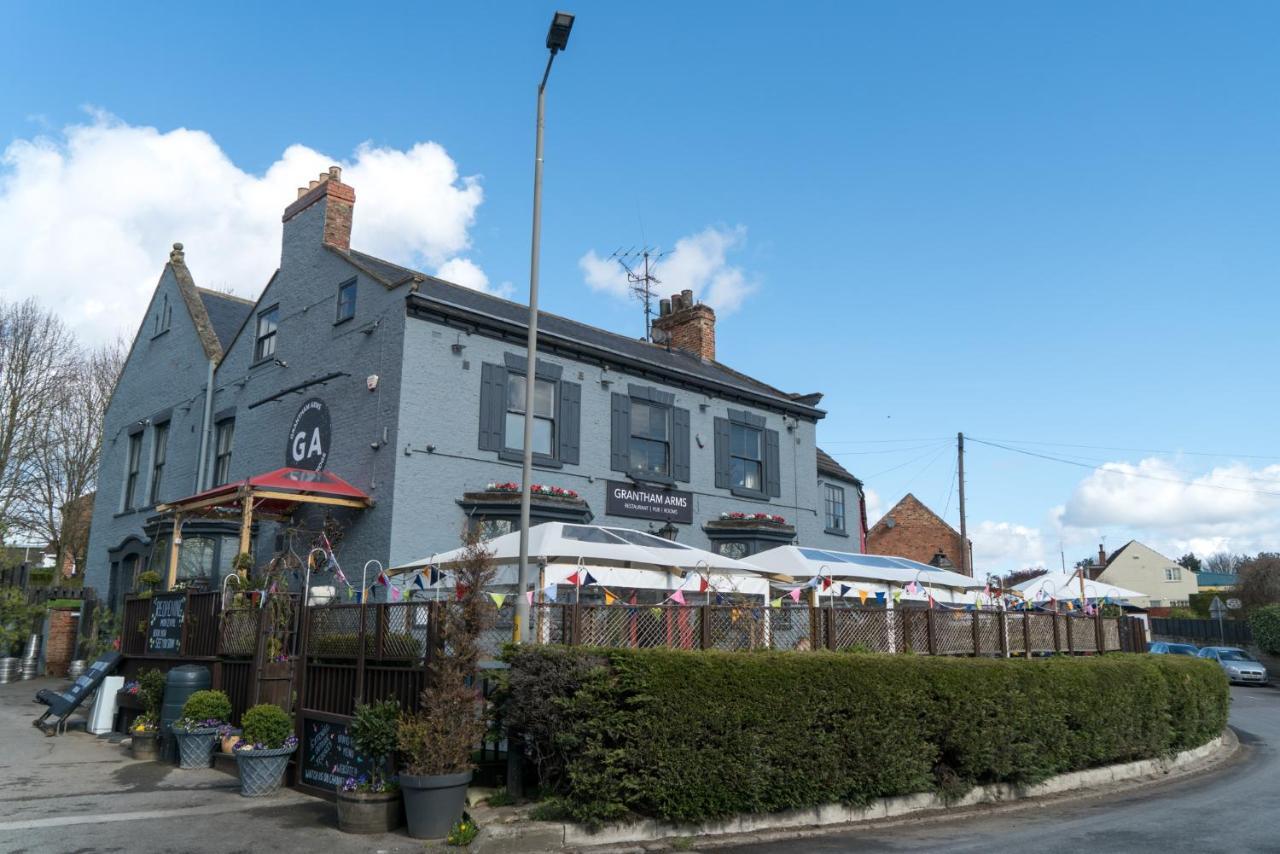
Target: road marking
(142,815)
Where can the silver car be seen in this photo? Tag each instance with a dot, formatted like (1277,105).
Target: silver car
(1239,665)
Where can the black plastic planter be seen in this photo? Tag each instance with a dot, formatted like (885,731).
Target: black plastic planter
(433,804)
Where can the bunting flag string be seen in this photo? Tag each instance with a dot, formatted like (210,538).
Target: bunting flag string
(395,594)
(879,595)
(528,596)
(844,590)
(589,580)
(435,576)
(609,598)
(776,603)
(549,592)
(677,597)
(795,595)
(719,599)
(573,579)
(498,598)
(862,596)
(897,596)
(702,584)
(813,582)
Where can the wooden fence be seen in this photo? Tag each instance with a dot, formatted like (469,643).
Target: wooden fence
(1205,632)
(901,630)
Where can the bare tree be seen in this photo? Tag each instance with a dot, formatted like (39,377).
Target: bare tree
(1259,580)
(1223,562)
(37,358)
(65,463)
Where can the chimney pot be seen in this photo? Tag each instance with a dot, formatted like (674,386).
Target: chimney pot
(338,202)
(176,256)
(683,325)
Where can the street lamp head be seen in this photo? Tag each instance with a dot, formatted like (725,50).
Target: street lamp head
(558,34)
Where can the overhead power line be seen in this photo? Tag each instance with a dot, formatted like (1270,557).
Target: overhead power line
(1139,450)
(1139,475)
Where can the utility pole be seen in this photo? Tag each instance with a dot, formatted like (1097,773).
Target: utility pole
(965,568)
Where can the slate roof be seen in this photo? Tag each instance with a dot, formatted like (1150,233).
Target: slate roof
(827,465)
(554,326)
(227,314)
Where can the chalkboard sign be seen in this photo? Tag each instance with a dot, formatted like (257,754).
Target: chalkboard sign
(63,703)
(164,629)
(328,754)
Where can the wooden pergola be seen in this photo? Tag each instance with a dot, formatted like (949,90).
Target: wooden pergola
(272,496)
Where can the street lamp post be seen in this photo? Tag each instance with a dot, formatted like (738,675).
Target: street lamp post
(557,40)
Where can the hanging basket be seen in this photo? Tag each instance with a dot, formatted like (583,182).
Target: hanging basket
(262,771)
(195,747)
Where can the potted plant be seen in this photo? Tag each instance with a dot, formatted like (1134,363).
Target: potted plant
(371,803)
(148,582)
(263,750)
(436,742)
(197,730)
(144,741)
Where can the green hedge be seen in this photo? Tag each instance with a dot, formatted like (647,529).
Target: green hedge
(687,736)
(1265,623)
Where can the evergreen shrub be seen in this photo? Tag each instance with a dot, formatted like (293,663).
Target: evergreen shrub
(691,736)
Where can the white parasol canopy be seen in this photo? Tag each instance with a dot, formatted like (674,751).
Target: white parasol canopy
(562,543)
(801,562)
(1066,585)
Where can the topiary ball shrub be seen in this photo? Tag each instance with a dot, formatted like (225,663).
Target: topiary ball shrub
(266,727)
(1265,623)
(151,690)
(208,708)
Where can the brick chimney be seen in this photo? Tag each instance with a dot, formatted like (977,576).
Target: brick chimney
(685,325)
(1102,555)
(336,199)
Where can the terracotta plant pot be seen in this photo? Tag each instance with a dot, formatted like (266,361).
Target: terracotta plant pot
(433,804)
(370,812)
(144,745)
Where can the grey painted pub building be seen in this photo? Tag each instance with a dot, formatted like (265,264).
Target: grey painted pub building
(413,390)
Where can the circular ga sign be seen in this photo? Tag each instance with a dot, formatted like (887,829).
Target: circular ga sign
(309,437)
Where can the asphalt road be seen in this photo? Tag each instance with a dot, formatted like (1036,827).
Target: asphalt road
(1232,809)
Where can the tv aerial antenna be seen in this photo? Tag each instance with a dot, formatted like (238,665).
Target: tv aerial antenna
(639,263)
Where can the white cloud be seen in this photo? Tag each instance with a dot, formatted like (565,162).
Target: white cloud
(87,215)
(698,262)
(465,272)
(1001,546)
(875,505)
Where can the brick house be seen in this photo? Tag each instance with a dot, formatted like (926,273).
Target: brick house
(412,389)
(912,530)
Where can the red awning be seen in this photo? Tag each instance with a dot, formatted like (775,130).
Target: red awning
(275,493)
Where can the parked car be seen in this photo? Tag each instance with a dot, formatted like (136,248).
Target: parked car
(1166,648)
(1239,665)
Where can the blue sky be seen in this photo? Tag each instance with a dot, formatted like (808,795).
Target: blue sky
(1045,223)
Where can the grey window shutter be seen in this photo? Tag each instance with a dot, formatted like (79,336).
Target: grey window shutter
(680,444)
(722,453)
(570,416)
(620,446)
(493,400)
(772,479)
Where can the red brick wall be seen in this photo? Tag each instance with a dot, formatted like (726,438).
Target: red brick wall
(64,624)
(916,534)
